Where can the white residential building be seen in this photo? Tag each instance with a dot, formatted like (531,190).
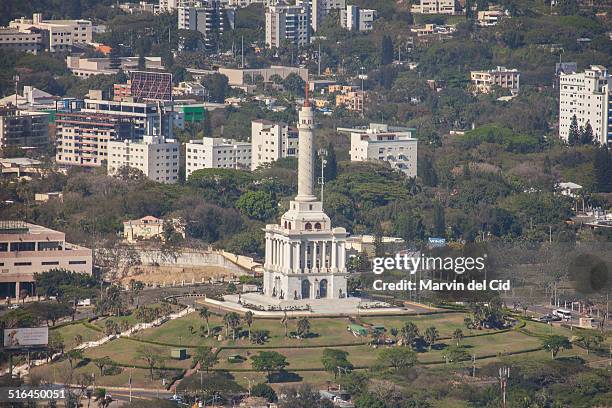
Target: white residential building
(26,40)
(217,153)
(84,67)
(354,18)
(271,141)
(319,9)
(168,6)
(588,96)
(60,34)
(157,157)
(434,7)
(380,142)
(484,81)
(490,18)
(287,23)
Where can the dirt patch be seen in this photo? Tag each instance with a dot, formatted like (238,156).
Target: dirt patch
(174,275)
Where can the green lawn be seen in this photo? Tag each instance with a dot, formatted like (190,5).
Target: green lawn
(69,332)
(326,330)
(446,323)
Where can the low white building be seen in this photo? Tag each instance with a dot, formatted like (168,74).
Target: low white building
(59,35)
(155,156)
(84,67)
(490,18)
(356,244)
(434,7)
(150,227)
(191,88)
(381,142)
(217,153)
(484,81)
(271,141)
(354,18)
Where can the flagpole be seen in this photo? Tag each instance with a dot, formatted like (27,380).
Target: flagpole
(130,382)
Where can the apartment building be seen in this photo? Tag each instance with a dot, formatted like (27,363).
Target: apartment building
(490,18)
(319,9)
(27,249)
(380,142)
(287,23)
(168,6)
(23,129)
(434,7)
(82,137)
(84,67)
(588,96)
(58,35)
(208,17)
(241,77)
(157,157)
(150,227)
(28,40)
(354,18)
(148,118)
(217,153)
(352,101)
(484,81)
(271,141)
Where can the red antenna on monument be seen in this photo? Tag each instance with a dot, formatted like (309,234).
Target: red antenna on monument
(306,100)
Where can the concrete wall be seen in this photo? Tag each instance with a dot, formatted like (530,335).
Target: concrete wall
(187,258)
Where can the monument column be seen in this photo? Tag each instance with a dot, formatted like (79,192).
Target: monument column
(324,255)
(314,256)
(333,256)
(296,257)
(287,263)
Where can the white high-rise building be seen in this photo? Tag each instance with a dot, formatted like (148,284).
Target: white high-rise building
(382,143)
(588,96)
(287,23)
(217,153)
(158,158)
(355,18)
(305,256)
(271,141)
(319,9)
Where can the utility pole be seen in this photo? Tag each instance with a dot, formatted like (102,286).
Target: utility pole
(322,155)
(474,365)
(319,62)
(242,52)
(16,79)
(504,375)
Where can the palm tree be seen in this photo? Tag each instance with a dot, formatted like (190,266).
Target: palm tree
(394,333)
(232,321)
(303,327)
(458,336)
(409,334)
(431,335)
(285,322)
(78,339)
(248,319)
(205,314)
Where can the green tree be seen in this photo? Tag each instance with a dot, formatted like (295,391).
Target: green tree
(73,356)
(397,357)
(295,84)
(556,343)
(217,87)
(409,334)
(586,134)
(574,132)
(386,56)
(232,321)
(431,335)
(603,170)
(101,363)
(458,335)
(303,327)
(205,357)
(152,356)
(591,341)
(331,167)
(334,360)
(265,391)
(248,319)
(269,362)
(259,205)
(439,219)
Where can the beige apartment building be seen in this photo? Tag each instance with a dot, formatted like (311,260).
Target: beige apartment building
(26,249)
(149,227)
(28,40)
(352,101)
(434,7)
(58,35)
(484,81)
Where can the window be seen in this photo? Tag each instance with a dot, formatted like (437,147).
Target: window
(77,262)
(22,263)
(50,263)
(308,226)
(23,246)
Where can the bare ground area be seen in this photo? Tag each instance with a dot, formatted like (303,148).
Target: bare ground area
(175,275)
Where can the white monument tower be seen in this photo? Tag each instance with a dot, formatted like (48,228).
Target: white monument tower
(305,256)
